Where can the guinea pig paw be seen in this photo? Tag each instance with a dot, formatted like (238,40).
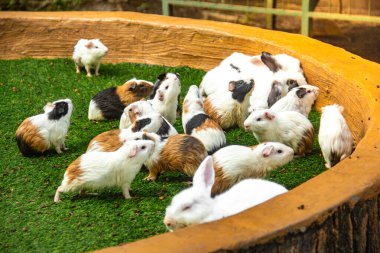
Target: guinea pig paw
(150,178)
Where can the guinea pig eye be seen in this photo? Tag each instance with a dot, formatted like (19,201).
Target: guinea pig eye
(308,91)
(143,147)
(258,119)
(166,87)
(130,109)
(279,151)
(96,47)
(136,139)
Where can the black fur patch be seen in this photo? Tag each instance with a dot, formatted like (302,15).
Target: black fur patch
(160,79)
(164,128)
(275,93)
(235,68)
(109,103)
(291,84)
(241,89)
(25,149)
(60,110)
(271,63)
(334,158)
(140,124)
(301,92)
(195,122)
(212,151)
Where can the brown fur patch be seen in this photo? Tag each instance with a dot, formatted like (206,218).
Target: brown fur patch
(306,144)
(210,111)
(207,124)
(185,107)
(109,141)
(30,135)
(182,153)
(131,91)
(221,183)
(74,171)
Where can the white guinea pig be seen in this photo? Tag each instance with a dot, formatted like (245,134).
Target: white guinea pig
(133,111)
(299,99)
(88,53)
(42,132)
(195,205)
(235,163)
(288,127)
(95,170)
(335,138)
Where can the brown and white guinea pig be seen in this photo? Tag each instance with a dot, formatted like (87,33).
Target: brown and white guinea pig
(198,124)
(288,127)
(96,170)
(112,140)
(133,111)
(88,53)
(109,104)
(299,99)
(166,96)
(46,131)
(230,107)
(179,152)
(335,138)
(235,163)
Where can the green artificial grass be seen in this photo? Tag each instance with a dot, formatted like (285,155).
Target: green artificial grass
(31,221)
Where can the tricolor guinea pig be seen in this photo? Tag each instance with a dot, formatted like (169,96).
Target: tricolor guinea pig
(235,163)
(198,124)
(166,96)
(112,140)
(96,170)
(87,54)
(299,99)
(46,131)
(154,123)
(109,104)
(179,152)
(335,138)
(288,127)
(133,111)
(230,107)
(195,205)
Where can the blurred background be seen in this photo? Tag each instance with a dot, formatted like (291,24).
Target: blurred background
(351,24)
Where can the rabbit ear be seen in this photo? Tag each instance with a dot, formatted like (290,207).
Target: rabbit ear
(205,174)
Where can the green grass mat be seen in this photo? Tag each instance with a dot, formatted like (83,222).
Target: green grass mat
(31,221)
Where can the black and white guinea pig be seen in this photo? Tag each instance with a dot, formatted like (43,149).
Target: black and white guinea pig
(153,123)
(42,132)
(198,124)
(230,107)
(109,104)
(133,111)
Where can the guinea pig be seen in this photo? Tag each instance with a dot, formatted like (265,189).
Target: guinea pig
(179,152)
(195,205)
(165,100)
(154,123)
(235,163)
(335,138)
(299,99)
(281,62)
(198,124)
(229,108)
(88,53)
(109,104)
(288,127)
(133,111)
(46,131)
(96,170)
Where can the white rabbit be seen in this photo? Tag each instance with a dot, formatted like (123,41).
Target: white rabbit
(46,131)
(165,100)
(133,111)
(299,99)
(95,170)
(335,138)
(195,205)
(288,127)
(88,53)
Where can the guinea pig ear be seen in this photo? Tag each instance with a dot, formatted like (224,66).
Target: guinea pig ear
(132,87)
(232,86)
(270,61)
(132,151)
(269,116)
(301,92)
(267,151)
(205,175)
(291,84)
(48,107)
(161,76)
(257,61)
(90,44)
(143,99)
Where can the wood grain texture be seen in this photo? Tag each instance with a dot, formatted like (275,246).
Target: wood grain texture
(334,209)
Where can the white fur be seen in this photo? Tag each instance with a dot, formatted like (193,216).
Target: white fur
(195,205)
(166,99)
(139,108)
(291,102)
(286,127)
(334,134)
(88,53)
(107,169)
(240,162)
(156,121)
(53,131)
(159,144)
(94,113)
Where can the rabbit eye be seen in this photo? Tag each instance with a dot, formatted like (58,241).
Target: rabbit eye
(143,147)
(279,151)
(258,119)
(96,47)
(166,87)
(185,208)
(136,139)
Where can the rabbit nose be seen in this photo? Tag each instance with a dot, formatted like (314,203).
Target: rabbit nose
(169,222)
(246,126)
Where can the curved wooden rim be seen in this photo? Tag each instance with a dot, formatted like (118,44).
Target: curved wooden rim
(342,77)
